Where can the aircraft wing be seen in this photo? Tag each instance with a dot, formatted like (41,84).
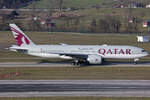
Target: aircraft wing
(63,44)
(74,55)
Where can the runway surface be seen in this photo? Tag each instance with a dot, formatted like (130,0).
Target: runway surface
(65,64)
(47,88)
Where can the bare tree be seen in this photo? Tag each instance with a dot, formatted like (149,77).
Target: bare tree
(60,3)
(109,24)
(57,4)
(2,3)
(93,25)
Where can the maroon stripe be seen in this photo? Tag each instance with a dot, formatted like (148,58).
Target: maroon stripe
(14,30)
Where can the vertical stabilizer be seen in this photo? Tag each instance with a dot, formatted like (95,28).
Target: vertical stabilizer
(20,37)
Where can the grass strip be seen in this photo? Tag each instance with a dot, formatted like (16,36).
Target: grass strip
(87,73)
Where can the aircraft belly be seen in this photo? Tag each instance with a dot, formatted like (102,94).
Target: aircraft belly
(122,56)
(45,55)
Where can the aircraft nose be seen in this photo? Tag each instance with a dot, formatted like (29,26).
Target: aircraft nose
(147,53)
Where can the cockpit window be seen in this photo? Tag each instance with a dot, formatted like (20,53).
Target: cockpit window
(143,51)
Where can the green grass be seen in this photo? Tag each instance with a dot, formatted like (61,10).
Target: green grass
(90,14)
(78,3)
(72,3)
(84,73)
(77,98)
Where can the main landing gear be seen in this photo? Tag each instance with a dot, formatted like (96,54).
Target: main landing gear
(79,63)
(76,63)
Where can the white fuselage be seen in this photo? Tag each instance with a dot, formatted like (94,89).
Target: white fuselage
(91,54)
(59,51)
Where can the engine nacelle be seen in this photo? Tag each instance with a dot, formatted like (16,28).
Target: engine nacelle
(94,59)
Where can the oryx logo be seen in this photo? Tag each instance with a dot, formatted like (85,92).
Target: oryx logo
(20,38)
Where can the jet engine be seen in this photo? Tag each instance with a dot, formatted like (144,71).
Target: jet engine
(94,59)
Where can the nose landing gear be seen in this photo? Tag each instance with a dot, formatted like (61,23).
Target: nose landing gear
(136,60)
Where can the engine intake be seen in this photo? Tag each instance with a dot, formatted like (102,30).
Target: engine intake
(94,59)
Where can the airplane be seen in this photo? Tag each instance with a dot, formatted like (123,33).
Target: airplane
(80,54)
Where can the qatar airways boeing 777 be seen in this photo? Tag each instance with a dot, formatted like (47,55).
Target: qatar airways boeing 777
(80,54)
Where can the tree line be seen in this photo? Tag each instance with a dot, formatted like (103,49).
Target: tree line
(20,3)
(14,3)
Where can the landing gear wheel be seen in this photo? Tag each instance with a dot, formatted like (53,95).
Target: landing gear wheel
(76,63)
